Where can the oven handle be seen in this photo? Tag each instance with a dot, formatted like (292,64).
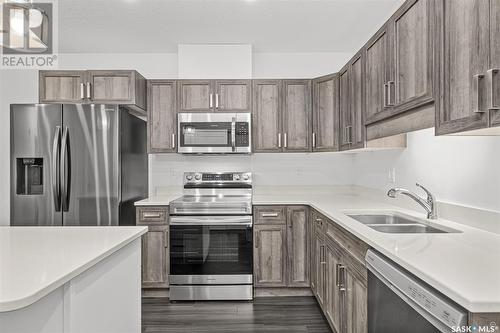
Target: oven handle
(212,220)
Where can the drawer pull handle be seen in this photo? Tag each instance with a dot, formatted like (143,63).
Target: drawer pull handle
(151,215)
(269,214)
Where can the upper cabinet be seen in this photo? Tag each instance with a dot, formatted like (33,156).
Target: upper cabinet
(468,56)
(351,94)
(61,86)
(267,115)
(377,76)
(325,135)
(214,95)
(282,116)
(124,87)
(297,115)
(233,95)
(399,63)
(161,116)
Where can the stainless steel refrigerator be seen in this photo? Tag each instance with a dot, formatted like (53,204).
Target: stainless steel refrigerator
(76,165)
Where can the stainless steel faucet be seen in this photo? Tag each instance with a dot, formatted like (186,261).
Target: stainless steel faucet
(429,204)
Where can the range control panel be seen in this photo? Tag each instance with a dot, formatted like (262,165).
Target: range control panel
(217,177)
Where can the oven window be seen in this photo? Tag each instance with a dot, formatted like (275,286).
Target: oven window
(206,134)
(198,250)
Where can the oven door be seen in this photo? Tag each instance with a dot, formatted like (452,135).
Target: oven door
(211,250)
(213,133)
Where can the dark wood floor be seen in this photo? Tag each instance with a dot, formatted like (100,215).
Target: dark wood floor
(275,314)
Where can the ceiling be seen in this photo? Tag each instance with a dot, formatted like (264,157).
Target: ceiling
(157,26)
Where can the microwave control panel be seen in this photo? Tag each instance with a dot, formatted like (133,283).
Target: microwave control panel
(242,134)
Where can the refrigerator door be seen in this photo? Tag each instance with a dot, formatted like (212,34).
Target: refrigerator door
(90,168)
(35,142)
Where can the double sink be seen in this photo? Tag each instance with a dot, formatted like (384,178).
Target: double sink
(397,223)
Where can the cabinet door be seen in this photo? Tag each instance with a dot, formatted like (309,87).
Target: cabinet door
(463,60)
(378,61)
(412,35)
(298,246)
(266,116)
(61,86)
(233,95)
(162,122)
(297,115)
(319,265)
(494,71)
(333,296)
(351,87)
(344,106)
(325,136)
(270,255)
(314,260)
(155,257)
(355,296)
(112,86)
(195,95)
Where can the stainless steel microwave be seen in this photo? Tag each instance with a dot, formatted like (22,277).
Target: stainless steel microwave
(214,133)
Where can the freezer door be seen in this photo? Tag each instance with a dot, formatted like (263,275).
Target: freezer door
(90,168)
(34,150)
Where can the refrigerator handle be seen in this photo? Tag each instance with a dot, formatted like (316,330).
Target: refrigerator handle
(66,169)
(56,170)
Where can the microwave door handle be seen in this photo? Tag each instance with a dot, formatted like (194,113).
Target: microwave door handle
(233,134)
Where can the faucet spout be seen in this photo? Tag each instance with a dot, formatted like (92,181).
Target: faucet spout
(428,204)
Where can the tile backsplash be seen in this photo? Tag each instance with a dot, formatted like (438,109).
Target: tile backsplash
(166,170)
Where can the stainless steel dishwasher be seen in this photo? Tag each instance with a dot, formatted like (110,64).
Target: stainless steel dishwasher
(400,302)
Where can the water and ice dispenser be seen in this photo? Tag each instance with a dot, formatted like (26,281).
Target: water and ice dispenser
(29,176)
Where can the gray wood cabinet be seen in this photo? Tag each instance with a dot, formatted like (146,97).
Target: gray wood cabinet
(123,87)
(400,63)
(162,124)
(195,95)
(266,131)
(493,73)
(269,256)
(351,81)
(463,52)
(325,129)
(377,55)
(333,294)
(281,246)
(297,115)
(412,32)
(298,247)
(233,95)
(61,86)
(214,95)
(339,281)
(155,246)
(282,115)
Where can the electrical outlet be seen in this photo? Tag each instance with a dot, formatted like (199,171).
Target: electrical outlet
(392,175)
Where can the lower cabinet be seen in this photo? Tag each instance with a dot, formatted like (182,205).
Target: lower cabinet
(281,246)
(155,246)
(339,281)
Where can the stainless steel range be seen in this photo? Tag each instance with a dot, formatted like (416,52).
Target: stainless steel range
(211,238)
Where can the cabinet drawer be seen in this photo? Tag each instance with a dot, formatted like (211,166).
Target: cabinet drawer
(269,214)
(353,245)
(146,215)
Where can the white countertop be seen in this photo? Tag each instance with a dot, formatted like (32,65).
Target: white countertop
(463,266)
(35,261)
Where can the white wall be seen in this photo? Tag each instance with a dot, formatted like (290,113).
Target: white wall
(461,170)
